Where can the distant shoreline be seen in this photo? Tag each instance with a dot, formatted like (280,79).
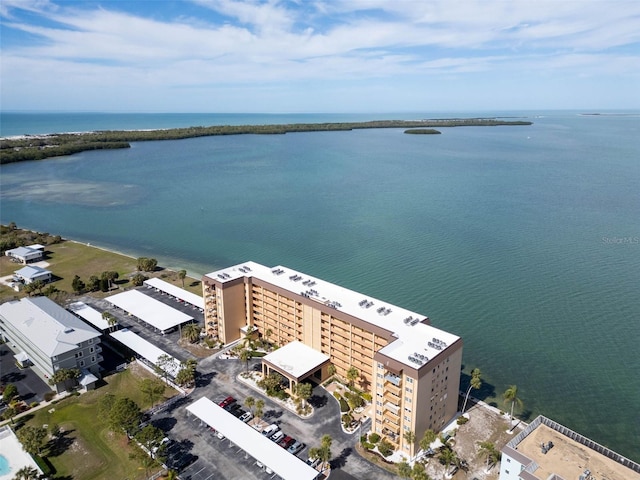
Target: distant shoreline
(39,147)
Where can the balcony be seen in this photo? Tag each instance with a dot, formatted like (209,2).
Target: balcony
(391,417)
(395,379)
(391,388)
(393,408)
(391,428)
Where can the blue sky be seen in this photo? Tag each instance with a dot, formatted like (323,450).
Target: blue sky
(319,56)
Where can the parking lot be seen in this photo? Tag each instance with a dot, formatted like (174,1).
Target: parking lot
(215,458)
(30,386)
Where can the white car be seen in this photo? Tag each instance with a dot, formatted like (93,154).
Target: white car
(245,417)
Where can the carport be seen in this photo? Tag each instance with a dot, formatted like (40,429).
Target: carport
(296,362)
(177,292)
(146,350)
(149,310)
(283,463)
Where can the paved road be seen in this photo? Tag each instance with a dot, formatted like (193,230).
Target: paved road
(219,459)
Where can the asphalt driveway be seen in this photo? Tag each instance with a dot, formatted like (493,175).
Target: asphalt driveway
(30,386)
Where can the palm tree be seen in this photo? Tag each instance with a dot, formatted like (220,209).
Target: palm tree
(181,275)
(427,439)
(352,375)
(331,370)
(490,452)
(404,470)
(191,332)
(27,473)
(510,395)
(410,437)
(447,458)
(245,356)
(250,402)
(259,408)
(475,383)
(304,391)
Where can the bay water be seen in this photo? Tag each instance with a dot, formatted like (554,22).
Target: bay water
(525,241)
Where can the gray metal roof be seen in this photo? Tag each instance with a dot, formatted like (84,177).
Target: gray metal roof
(48,326)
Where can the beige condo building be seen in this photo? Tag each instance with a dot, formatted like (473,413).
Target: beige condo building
(410,368)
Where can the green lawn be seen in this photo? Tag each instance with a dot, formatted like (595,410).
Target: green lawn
(90,450)
(68,259)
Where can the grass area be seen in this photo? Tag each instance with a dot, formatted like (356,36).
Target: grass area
(90,450)
(67,259)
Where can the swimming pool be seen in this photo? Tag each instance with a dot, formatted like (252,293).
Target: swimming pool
(4,466)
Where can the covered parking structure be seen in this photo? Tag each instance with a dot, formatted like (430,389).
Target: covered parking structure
(90,315)
(156,314)
(297,362)
(147,350)
(286,465)
(176,292)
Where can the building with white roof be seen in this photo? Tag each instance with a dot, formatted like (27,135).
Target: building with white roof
(284,464)
(547,450)
(411,368)
(32,253)
(157,314)
(91,315)
(147,350)
(176,292)
(50,337)
(32,273)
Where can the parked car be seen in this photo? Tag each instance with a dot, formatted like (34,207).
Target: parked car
(313,462)
(270,430)
(232,407)
(247,416)
(287,441)
(227,401)
(237,412)
(276,437)
(296,447)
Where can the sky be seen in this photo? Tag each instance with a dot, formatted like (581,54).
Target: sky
(296,56)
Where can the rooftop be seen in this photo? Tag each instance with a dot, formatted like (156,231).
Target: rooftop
(47,325)
(177,292)
(31,271)
(418,342)
(89,314)
(296,359)
(146,349)
(571,454)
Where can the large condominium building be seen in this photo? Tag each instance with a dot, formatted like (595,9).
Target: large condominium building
(411,368)
(50,337)
(546,450)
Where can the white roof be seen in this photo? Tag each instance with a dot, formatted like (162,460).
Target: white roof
(149,310)
(144,348)
(177,292)
(414,337)
(270,454)
(296,358)
(89,314)
(48,326)
(31,271)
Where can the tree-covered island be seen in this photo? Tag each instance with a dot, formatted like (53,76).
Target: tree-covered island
(38,147)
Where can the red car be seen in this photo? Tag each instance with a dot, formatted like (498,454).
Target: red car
(227,401)
(287,441)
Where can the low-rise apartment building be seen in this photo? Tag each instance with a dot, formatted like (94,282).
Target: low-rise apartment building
(410,368)
(51,337)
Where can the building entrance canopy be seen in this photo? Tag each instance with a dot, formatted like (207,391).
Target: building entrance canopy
(296,361)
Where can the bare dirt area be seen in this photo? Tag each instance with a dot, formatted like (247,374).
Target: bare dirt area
(484,425)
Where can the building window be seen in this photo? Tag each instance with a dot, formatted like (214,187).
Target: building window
(93,359)
(408,390)
(91,340)
(409,380)
(91,350)
(82,363)
(407,419)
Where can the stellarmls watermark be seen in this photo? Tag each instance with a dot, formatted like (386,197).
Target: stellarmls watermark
(615,240)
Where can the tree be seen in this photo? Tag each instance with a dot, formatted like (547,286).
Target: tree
(475,382)
(66,376)
(259,408)
(125,415)
(304,392)
(111,320)
(138,279)
(404,470)
(38,285)
(10,392)
(153,389)
(331,369)
(325,449)
(410,437)
(245,356)
(94,283)
(187,374)
(147,264)
(32,438)
(191,332)
(352,375)
(181,275)
(490,452)
(9,413)
(27,473)
(247,341)
(510,395)
(110,276)
(447,457)
(427,439)
(268,332)
(418,472)
(150,438)
(250,402)
(105,404)
(77,284)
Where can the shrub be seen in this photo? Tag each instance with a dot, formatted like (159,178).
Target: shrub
(45,466)
(363,439)
(344,406)
(385,448)
(367,397)
(337,395)
(34,404)
(462,420)
(367,445)
(49,396)
(374,438)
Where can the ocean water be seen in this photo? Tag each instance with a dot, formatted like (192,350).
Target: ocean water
(525,241)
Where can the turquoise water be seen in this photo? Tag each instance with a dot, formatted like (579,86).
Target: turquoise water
(4,466)
(525,241)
